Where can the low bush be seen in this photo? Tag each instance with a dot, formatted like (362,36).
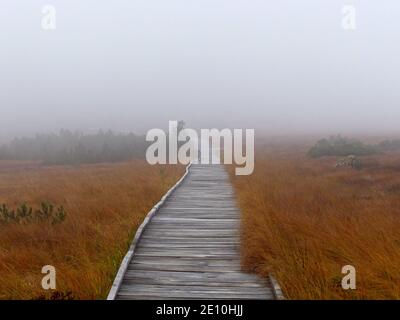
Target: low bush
(25,214)
(340,146)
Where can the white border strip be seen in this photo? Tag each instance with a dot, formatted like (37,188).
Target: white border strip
(276,288)
(128,257)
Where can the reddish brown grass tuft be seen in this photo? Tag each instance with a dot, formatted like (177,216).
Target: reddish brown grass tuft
(304,220)
(104,204)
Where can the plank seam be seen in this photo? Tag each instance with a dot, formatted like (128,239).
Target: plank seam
(128,257)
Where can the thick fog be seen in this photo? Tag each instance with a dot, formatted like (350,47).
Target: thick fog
(284,67)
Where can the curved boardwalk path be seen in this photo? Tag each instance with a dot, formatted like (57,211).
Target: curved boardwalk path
(190,248)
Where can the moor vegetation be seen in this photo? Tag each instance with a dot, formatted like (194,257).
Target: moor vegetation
(46,212)
(85,237)
(304,220)
(68,147)
(342,146)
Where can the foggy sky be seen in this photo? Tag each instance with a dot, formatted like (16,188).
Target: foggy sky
(281,67)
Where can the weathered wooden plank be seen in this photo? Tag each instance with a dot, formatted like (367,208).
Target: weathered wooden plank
(194,278)
(192,246)
(177,241)
(181,267)
(193,255)
(175,281)
(127,289)
(198,226)
(165,261)
(188,251)
(199,216)
(191,233)
(194,237)
(162,218)
(192,295)
(139,289)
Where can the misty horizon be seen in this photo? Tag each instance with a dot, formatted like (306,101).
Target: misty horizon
(284,68)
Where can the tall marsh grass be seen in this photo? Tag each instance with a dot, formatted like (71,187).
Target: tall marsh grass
(105,204)
(304,220)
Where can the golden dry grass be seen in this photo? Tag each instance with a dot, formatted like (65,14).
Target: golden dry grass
(105,203)
(304,220)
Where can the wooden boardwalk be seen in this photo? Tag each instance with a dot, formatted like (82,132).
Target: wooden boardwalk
(190,247)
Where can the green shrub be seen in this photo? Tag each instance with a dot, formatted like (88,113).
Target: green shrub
(24,214)
(340,146)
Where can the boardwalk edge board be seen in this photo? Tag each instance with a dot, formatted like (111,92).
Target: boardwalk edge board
(128,257)
(276,288)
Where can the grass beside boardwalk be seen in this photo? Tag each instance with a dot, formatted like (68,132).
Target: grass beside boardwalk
(304,220)
(104,203)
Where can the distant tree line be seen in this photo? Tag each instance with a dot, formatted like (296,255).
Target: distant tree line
(68,147)
(341,146)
